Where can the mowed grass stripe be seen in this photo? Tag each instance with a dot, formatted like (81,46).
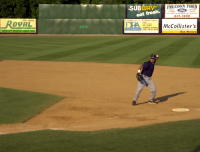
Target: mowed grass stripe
(60,51)
(194,54)
(196,61)
(54,50)
(141,52)
(35,42)
(95,55)
(110,49)
(143,55)
(67,49)
(31,47)
(187,55)
(120,51)
(132,49)
(173,49)
(88,48)
(81,56)
(26,47)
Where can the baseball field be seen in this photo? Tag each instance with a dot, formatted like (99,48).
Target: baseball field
(74,93)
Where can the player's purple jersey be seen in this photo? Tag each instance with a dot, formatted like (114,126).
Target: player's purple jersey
(148,68)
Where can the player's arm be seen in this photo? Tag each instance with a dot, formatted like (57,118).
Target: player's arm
(139,76)
(140,69)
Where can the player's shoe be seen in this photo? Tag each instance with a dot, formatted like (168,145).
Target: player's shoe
(134,103)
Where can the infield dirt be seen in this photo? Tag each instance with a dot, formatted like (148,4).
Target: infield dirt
(98,95)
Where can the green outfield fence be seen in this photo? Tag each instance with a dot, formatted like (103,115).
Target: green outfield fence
(80,26)
(73,11)
(81,19)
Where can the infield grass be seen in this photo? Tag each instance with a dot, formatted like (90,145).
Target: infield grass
(183,136)
(19,106)
(173,50)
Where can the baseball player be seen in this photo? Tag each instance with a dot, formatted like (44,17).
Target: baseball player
(144,75)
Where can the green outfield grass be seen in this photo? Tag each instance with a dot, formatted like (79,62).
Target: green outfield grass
(19,106)
(174,51)
(170,137)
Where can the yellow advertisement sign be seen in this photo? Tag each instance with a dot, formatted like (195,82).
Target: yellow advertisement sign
(141,26)
(179,26)
(17,25)
(180,31)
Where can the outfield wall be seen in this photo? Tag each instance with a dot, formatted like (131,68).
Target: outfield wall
(109,19)
(83,11)
(80,26)
(81,19)
(119,19)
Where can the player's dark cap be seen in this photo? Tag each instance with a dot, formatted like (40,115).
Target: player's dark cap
(154,56)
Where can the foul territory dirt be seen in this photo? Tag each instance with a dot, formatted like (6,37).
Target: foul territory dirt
(98,96)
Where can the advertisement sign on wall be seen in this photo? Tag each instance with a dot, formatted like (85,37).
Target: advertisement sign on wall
(17,25)
(179,26)
(144,11)
(141,26)
(181,10)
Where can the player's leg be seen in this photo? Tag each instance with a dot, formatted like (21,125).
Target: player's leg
(153,90)
(138,91)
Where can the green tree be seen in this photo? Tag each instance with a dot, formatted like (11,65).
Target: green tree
(34,6)
(7,8)
(20,9)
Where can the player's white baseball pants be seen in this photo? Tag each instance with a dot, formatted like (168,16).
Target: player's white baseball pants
(141,86)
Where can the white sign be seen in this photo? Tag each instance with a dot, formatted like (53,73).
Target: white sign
(181,10)
(179,26)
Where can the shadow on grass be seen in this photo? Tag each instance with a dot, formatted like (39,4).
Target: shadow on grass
(164,98)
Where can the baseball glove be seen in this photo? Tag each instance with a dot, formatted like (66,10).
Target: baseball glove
(140,78)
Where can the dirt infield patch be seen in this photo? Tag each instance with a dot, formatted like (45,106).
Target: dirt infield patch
(98,96)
